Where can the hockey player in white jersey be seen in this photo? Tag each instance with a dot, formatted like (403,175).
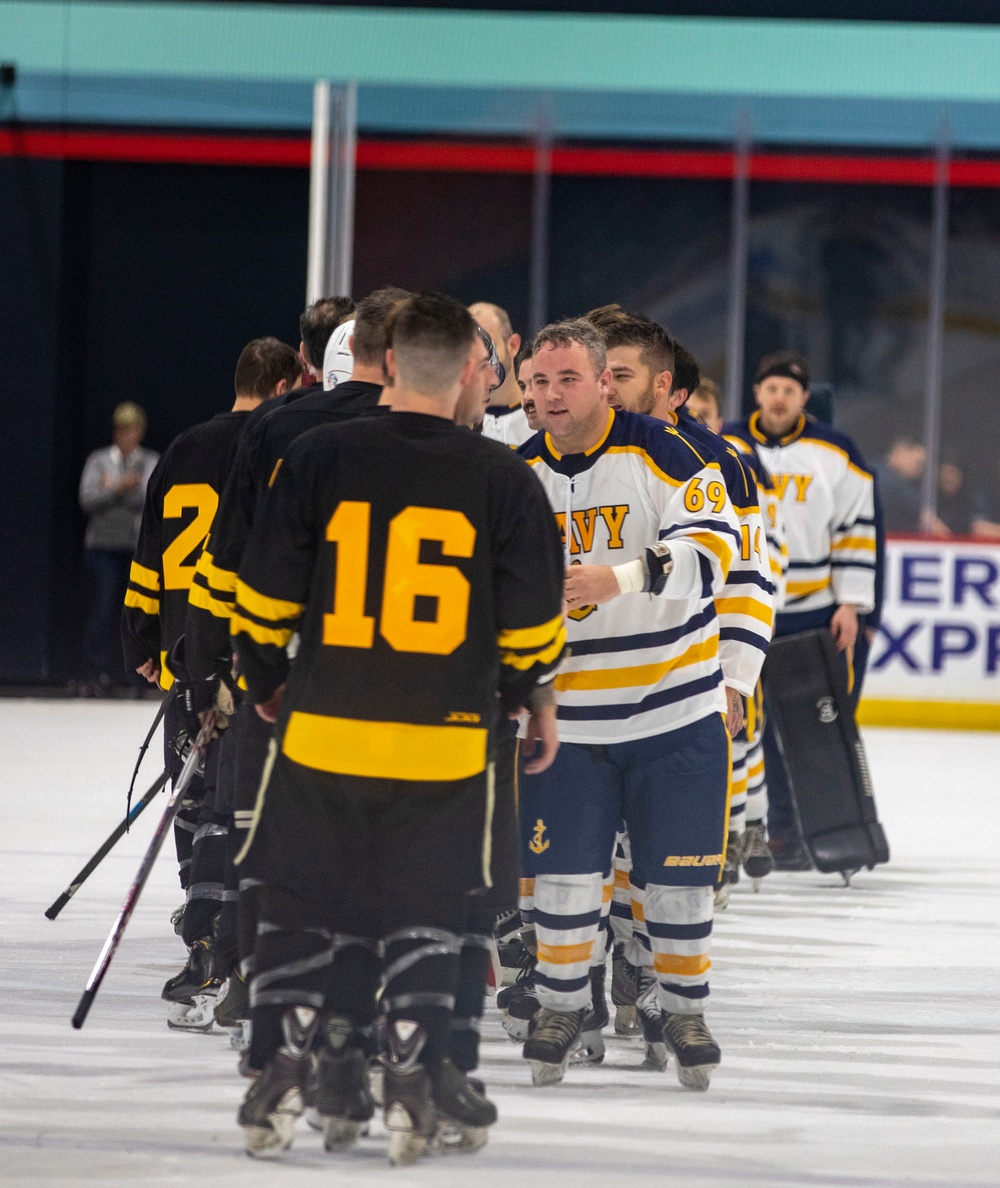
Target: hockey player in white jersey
(827,502)
(505,419)
(650,531)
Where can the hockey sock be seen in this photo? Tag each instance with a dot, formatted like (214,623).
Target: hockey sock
(420,974)
(638,951)
(621,901)
(567,919)
(206,890)
(470,992)
(738,787)
(756,783)
(679,922)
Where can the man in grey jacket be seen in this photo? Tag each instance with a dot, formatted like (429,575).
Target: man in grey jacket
(112,489)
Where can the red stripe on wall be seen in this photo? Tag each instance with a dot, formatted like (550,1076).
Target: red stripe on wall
(486,157)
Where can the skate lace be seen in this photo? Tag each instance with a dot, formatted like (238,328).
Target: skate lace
(689,1029)
(755,846)
(559,1027)
(526,975)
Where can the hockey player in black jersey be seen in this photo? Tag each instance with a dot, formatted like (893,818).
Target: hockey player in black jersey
(422,568)
(181,501)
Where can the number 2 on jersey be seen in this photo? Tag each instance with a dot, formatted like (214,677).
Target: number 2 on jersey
(180,498)
(405,580)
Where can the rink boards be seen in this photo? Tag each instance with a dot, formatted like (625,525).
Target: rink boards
(936,658)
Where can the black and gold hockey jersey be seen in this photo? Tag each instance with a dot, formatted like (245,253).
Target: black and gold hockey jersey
(423,568)
(181,501)
(260,455)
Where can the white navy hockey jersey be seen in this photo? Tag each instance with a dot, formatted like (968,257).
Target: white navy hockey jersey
(773,519)
(641,664)
(827,504)
(509,426)
(746,604)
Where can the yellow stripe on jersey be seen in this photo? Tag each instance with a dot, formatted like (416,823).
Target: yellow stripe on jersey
(803,588)
(142,602)
(638,911)
(866,543)
(660,474)
(828,445)
(144,577)
(623,879)
(607,893)
(545,656)
(202,598)
(686,967)
(385,750)
(715,543)
(530,637)
(274,473)
(526,887)
(262,606)
(166,676)
(639,674)
(745,606)
(276,636)
(565,954)
(219,579)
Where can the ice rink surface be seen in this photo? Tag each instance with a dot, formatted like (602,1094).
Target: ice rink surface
(859,1026)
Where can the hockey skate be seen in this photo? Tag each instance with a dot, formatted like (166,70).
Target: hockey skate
(554,1035)
(591,1049)
(232,1011)
(788,853)
(651,1021)
(519,1003)
(758,861)
(343,1096)
(697,1054)
(408,1107)
(624,991)
(275,1099)
(464,1112)
(729,876)
(191,994)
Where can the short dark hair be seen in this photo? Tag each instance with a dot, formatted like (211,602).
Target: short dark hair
(605,315)
(785,363)
(318,322)
(708,390)
(430,335)
(687,374)
(370,320)
(522,356)
(262,364)
(577,330)
(656,347)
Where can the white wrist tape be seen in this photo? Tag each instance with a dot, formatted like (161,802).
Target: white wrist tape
(631,578)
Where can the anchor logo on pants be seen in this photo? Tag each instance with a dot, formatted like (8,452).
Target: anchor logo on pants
(536,845)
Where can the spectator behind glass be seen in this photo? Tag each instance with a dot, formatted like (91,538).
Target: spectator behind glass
(112,490)
(986,520)
(899,477)
(956,505)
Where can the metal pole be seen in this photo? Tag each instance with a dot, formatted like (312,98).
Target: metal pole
(318,193)
(342,265)
(935,321)
(739,219)
(538,298)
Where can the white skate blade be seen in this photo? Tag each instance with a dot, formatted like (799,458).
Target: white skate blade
(518,1029)
(376,1078)
(657,1057)
(626,1023)
(756,885)
(405,1145)
(197,1015)
(339,1133)
(239,1036)
(454,1139)
(547,1074)
(696,1078)
(722,897)
(591,1048)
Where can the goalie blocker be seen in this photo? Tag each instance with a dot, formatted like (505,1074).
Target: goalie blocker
(823,753)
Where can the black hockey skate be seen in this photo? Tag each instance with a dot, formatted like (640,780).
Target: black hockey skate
(758,861)
(554,1035)
(697,1054)
(650,1018)
(408,1107)
(464,1112)
(275,1099)
(519,1003)
(624,992)
(191,993)
(789,853)
(232,1011)
(343,1096)
(591,1049)
(729,875)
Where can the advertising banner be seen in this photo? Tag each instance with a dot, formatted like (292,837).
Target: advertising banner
(936,658)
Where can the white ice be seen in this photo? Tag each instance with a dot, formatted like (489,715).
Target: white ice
(859,1026)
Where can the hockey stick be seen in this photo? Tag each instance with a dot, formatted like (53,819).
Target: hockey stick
(106,849)
(138,763)
(194,761)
